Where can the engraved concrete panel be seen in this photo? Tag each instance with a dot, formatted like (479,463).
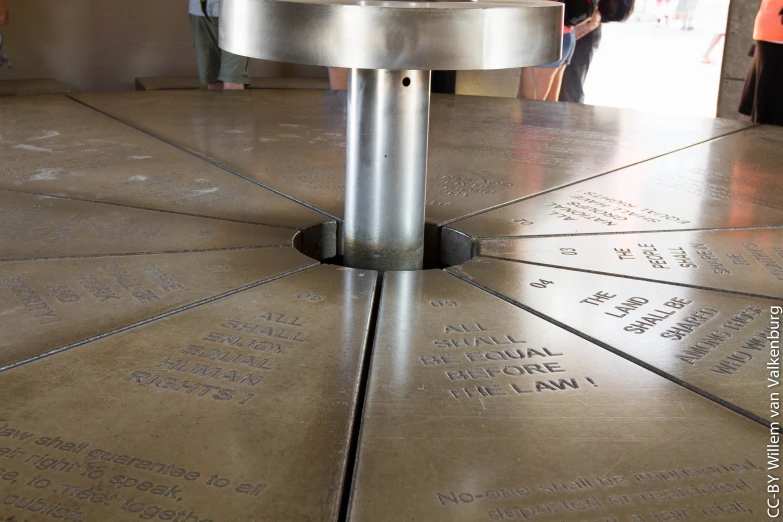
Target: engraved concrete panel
(50,304)
(238,410)
(293,142)
(483,152)
(54,145)
(726,183)
(36,226)
(714,342)
(478,410)
(744,261)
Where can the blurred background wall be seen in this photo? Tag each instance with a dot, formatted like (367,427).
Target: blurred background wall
(103,45)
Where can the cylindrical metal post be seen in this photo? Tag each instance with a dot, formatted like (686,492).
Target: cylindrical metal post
(386,172)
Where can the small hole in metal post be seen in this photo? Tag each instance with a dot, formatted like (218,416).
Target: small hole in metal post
(406,81)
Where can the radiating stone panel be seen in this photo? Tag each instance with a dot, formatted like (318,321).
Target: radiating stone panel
(744,261)
(715,342)
(240,410)
(50,304)
(483,152)
(725,183)
(37,226)
(478,410)
(54,145)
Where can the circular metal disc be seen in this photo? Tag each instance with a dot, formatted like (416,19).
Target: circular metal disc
(396,34)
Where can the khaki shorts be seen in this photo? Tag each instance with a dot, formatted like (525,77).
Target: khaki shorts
(213,63)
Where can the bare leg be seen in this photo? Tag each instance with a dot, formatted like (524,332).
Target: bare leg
(527,89)
(536,82)
(232,86)
(557,82)
(338,78)
(715,41)
(687,21)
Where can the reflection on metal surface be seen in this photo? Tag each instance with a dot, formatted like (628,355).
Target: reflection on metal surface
(483,152)
(238,410)
(745,261)
(714,342)
(730,182)
(494,414)
(386,172)
(396,35)
(50,304)
(36,226)
(53,145)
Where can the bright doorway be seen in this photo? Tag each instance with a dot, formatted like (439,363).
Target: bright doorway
(657,66)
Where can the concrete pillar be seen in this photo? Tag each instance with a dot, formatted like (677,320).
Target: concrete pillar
(739,38)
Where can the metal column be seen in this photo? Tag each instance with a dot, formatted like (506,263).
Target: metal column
(390,48)
(386,171)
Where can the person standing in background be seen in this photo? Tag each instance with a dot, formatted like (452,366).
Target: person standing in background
(684,11)
(544,81)
(588,37)
(762,97)
(217,69)
(662,11)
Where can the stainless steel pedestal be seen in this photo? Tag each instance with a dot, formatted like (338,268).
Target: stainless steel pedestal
(386,171)
(391,47)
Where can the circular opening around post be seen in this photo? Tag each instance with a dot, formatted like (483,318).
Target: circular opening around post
(442,247)
(406,81)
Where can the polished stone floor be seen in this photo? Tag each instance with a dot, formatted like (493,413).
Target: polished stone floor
(596,340)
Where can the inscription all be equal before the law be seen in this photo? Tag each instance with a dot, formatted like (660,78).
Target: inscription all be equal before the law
(480,360)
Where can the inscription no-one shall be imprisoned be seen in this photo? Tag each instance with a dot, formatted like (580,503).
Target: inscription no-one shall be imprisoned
(654,502)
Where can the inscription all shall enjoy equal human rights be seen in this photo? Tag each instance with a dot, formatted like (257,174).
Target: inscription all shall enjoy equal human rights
(236,410)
